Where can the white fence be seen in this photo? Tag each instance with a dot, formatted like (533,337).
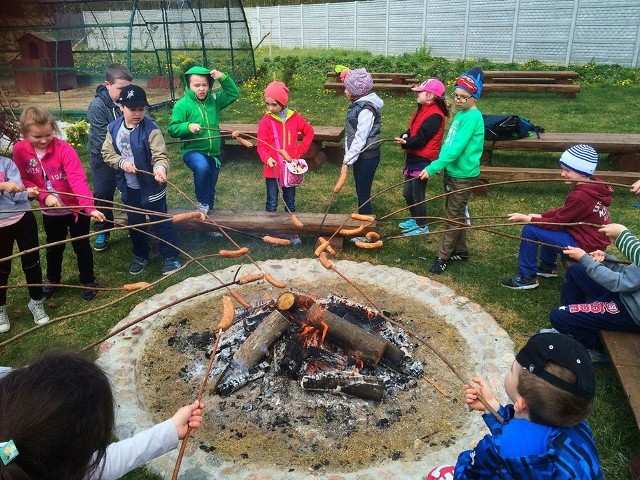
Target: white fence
(558,32)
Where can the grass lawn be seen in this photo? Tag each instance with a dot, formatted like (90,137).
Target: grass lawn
(493,257)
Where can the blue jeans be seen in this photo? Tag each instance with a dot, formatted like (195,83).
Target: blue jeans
(528,255)
(164,231)
(288,193)
(205,176)
(363,172)
(588,307)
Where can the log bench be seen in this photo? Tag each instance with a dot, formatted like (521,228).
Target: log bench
(500,174)
(624,351)
(387,77)
(623,148)
(555,81)
(325,145)
(400,89)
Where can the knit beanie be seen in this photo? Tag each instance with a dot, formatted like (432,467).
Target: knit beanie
(582,159)
(471,82)
(358,82)
(279,92)
(433,85)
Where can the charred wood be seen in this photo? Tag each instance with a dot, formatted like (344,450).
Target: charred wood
(354,385)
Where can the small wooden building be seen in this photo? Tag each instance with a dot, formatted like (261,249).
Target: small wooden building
(46,64)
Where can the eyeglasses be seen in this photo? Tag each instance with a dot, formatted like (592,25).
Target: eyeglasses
(460,98)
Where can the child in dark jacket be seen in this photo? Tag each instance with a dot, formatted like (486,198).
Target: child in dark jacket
(135,145)
(544,436)
(588,201)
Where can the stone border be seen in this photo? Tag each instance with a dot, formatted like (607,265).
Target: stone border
(490,348)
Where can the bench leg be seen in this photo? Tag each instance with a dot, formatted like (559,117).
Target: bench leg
(627,162)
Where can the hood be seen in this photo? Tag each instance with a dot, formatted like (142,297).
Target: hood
(103,94)
(205,72)
(596,190)
(373,98)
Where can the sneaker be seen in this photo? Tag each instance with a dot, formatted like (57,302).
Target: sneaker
(102,242)
(358,239)
(547,270)
(37,310)
(171,265)
(89,292)
(295,240)
(548,330)
(439,266)
(459,257)
(599,358)
(215,234)
(138,265)
(203,208)
(49,288)
(416,231)
(519,282)
(4,320)
(408,224)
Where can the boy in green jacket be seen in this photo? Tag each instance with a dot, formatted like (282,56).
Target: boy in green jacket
(197,116)
(460,159)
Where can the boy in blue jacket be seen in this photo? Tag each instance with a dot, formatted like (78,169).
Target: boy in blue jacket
(544,436)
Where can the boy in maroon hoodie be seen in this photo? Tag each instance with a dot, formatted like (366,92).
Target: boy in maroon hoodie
(587,202)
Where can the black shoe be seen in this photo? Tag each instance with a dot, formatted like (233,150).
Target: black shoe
(49,288)
(138,265)
(439,266)
(459,257)
(547,270)
(89,292)
(520,282)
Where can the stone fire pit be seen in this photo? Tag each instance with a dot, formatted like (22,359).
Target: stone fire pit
(271,428)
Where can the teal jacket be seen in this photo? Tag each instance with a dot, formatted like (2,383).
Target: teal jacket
(205,113)
(462,149)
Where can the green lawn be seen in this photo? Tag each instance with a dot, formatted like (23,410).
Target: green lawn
(598,108)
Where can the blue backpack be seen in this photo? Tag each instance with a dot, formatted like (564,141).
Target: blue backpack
(508,127)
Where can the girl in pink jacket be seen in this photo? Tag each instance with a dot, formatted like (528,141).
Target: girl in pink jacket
(53,167)
(278,130)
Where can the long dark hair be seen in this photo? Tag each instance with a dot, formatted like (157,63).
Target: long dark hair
(59,413)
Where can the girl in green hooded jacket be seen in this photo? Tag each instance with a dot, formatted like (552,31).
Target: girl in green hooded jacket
(197,116)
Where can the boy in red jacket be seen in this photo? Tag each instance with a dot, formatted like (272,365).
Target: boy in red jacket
(277,131)
(587,202)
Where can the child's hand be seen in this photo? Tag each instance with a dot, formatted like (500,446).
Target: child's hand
(598,256)
(613,230)
(33,192)
(216,74)
(128,167)
(195,128)
(188,416)
(160,175)
(11,187)
(519,217)
(52,201)
(400,141)
(574,253)
(635,188)
(271,162)
(471,396)
(424,175)
(97,215)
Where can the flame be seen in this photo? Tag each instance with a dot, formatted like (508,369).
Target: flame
(313,333)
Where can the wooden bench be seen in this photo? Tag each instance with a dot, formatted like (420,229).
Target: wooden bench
(624,351)
(623,148)
(387,77)
(400,89)
(325,145)
(500,174)
(555,81)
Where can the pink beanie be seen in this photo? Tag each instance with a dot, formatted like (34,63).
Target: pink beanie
(278,91)
(358,82)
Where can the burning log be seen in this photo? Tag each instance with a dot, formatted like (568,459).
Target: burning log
(290,302)
(367,387)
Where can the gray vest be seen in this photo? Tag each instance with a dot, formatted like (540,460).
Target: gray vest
(352,125)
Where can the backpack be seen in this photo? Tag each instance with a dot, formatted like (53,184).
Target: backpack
(508,127)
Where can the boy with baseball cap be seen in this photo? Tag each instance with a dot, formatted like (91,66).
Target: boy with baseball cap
(587,202)
(135,145)
(552,384)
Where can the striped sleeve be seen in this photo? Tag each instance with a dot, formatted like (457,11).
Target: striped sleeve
(629,245)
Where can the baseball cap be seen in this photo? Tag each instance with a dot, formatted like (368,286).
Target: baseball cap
(433,85)
(133,96)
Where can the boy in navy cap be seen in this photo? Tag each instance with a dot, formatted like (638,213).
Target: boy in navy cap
(544,436)
(135,145)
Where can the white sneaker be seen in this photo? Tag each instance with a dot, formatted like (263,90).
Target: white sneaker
(37,310)
(203,208)
(4,320)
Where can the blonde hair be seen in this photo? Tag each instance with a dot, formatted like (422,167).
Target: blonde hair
(36,116)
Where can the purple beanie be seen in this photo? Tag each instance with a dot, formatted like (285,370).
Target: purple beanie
(358,82)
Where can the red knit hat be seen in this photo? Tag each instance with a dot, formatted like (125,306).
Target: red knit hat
(278,91)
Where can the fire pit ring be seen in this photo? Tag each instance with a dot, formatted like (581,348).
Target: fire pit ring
(489,350)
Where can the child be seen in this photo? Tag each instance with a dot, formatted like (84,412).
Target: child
(586,202)
(53,167)
(460,159)
(422,143)
(597,294)
(135,145)
(551,384)
(18,225)
(278,130)
(69,434)
(362,129)
(626,241)
(195,119)
(102,110)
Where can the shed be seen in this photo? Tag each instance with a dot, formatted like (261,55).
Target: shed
(46,64)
